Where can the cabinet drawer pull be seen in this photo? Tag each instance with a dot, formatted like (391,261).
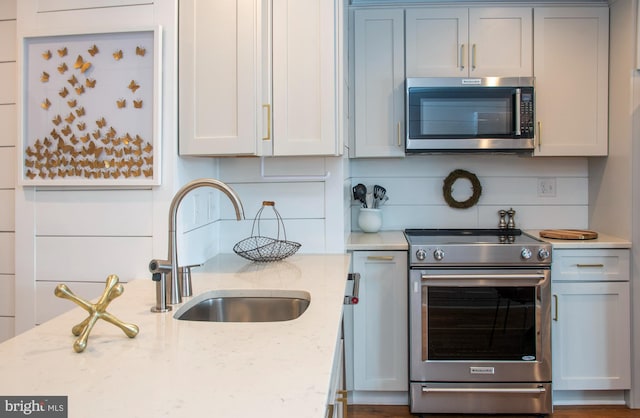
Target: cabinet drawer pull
(380,257)
(461,57)
(268,137)
(589,265)
(539,135)
(399,135)
(555,303)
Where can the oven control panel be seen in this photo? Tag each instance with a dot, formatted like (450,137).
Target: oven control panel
(513,255)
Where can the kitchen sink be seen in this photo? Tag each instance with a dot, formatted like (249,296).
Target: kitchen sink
(245,305)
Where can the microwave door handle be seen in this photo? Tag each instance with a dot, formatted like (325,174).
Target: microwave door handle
(517,118)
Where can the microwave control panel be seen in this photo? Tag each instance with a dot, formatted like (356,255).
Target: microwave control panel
(526,113)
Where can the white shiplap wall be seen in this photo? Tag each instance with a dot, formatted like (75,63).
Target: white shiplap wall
(414,186)
(80,236)
(8,136)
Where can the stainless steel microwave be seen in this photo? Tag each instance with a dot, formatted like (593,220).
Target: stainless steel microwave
(492,114)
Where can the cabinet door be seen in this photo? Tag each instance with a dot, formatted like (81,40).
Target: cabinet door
(590,336)
(571,70)
(501,42)
(218,77)
(437,42)
(380,350)
(305,37)
(379,83)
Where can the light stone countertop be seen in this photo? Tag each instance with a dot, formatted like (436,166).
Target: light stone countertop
(603,241)
(186,368)
(383,240)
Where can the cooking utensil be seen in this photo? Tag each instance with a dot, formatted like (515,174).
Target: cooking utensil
(379,193)
(360,194)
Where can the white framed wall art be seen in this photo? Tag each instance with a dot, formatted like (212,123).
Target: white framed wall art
(90,106)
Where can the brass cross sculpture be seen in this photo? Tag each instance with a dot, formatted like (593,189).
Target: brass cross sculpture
(112,290)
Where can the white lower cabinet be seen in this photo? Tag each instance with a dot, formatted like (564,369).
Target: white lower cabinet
(591,322)
(380,351)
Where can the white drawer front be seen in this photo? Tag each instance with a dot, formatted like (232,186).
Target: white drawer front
(590,265)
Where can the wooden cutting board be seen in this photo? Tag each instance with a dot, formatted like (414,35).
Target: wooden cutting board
(568,234)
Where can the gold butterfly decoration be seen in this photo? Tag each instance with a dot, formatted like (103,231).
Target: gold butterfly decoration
(80,111)
(148,148)
(122,103)
(44,77)
(73,139)
(70,118)
(148,160)
(81,126)
(93,50)
(96,134)
(73,80)
(55,133)
(57,120)
(126,139)
(84,138)
(46,55)
(28,163)
(72,103)
(138,141)
(62,51)
(62,68)
(81,64)
(79,89)
(31,174)
(148,172)
(118,55)
(112,133)
(137,104)
(45,104)
(89,82)
(66,130)
(64,92)
(101,122)
(47,142)
(141,51)
(115,174)
(133,86)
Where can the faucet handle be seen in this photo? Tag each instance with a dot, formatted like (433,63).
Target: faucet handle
(185,278)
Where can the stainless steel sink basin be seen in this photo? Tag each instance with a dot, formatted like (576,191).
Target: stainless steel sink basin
(245,306)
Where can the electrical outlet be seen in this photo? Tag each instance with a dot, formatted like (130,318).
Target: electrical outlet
(547,187)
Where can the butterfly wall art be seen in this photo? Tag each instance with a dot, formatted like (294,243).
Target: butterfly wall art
(92,112)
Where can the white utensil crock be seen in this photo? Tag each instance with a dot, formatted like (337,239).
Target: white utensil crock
(370,220)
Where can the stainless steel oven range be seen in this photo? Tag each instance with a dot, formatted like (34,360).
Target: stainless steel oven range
(479,322)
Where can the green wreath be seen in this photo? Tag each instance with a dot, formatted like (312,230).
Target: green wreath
(451,179)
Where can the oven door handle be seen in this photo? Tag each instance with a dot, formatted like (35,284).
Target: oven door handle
(533,277)
(484,390)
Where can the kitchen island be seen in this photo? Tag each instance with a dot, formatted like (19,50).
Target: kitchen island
(186,368)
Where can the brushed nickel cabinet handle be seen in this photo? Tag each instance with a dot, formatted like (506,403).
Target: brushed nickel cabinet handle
(380,257)
(399,135)
(589,265)
(555,303)
(473,57)
(461,58)
(268,137)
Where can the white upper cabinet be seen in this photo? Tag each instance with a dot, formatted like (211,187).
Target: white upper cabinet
(469,42)
(219,79)
(378,83)
(259,77)
(307,75)
(571,49)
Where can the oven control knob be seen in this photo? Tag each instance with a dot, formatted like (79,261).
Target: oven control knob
(438,254)
(543,254)
(421,254)
(525,254)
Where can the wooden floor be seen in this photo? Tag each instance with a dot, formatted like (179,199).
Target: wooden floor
(376,411)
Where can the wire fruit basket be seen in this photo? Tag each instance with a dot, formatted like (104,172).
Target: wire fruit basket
(265,249)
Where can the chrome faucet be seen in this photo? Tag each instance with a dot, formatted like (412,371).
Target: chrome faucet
(169,290)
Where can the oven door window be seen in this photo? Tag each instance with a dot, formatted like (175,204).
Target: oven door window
(461,112)
(479,323)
